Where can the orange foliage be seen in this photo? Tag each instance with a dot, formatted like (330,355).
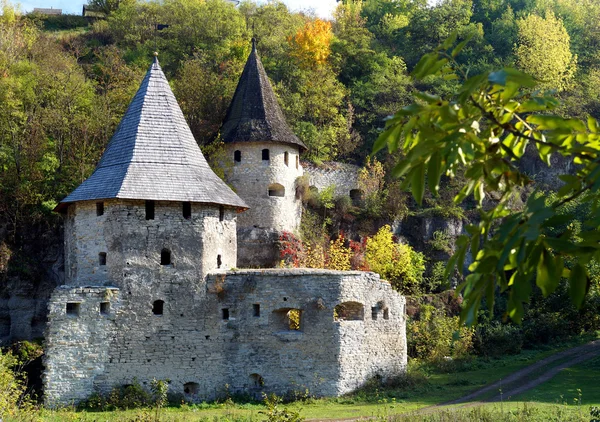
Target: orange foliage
(312,44)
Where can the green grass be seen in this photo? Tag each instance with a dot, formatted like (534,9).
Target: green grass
(563,387)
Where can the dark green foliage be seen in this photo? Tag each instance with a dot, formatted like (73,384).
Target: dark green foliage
(496,339)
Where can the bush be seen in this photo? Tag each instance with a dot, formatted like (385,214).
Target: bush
(398,263)
(130,396)
(435,337)
(496,339)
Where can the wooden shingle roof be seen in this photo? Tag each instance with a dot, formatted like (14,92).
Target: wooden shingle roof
(154,156)
(254,115)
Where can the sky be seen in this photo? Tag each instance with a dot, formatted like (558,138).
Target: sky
(323,8)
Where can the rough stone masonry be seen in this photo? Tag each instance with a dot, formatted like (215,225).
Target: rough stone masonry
(151,289)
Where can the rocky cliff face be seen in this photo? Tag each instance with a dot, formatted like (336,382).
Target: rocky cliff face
(31,266)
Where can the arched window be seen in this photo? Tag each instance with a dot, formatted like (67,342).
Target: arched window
(286,158)
(237,156)
(158,307)
(256,381)
(349,311)
(356,196)
(165,257)
(276,190)
(191,388)
(265,155)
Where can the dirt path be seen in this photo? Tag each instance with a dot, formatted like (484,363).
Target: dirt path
(525,379)
(518,382)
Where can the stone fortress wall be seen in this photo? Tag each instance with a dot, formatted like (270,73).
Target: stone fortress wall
(268,186)
(341,175)
(234,328)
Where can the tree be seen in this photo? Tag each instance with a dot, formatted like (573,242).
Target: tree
(483,132)
(543,51)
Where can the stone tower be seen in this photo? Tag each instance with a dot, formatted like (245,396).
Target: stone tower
(143,230)
(262,164)
(151,199)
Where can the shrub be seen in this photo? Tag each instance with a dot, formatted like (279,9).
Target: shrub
(435,337)
(497,339)
(338,257)
(398,263)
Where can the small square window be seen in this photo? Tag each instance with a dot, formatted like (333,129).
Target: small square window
(225,313)
(256,310)
(99,208)
(104,308)
(73,308)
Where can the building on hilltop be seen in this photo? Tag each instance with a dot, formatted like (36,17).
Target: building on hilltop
(47,11)
(150,238)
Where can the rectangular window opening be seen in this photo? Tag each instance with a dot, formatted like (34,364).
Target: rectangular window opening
(297,162)
(219,261)
(265,155)
(386,314)
(102,258)
(221,213)
(256,310)
(73,308)
(99,208)
(104,308)
(187,210)
(149,210)
(374,311)
(225,313)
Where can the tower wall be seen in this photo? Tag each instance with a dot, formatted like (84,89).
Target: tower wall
(133,244)
(252,176)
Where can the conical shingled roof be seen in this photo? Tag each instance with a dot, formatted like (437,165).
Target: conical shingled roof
(254,115)
(154,156)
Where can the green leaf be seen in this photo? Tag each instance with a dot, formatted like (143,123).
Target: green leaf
(459,47)
(548,275)
(417,183)
(387,137)
(434,172)
(578,284)
(592,124)
(450,40)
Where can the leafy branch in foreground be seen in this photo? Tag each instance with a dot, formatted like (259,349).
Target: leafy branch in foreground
(483,132)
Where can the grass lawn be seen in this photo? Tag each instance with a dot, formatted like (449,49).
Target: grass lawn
(563,387)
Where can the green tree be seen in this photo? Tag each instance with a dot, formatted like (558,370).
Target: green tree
(483,132)
(543,51)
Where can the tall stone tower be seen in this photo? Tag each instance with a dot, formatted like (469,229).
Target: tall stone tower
(262,164)
(144,230)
